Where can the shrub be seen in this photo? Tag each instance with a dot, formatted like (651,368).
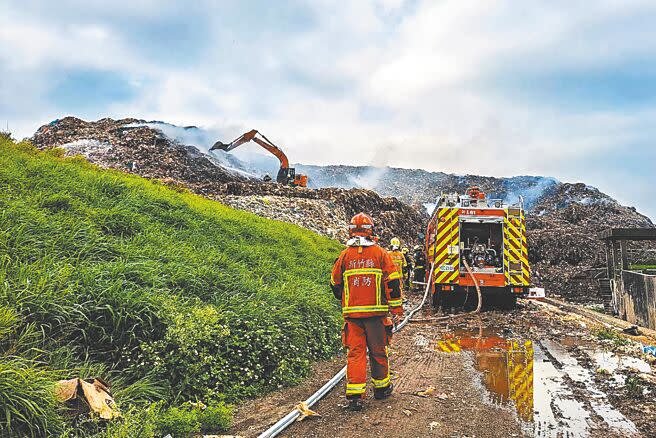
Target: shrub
(134,422)
(215,418)
(634,386)
(191,418)
(612,336)
(178,421)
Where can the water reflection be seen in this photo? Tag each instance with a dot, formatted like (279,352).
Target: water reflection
(506,364)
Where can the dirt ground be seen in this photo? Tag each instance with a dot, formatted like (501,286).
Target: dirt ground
(542,370)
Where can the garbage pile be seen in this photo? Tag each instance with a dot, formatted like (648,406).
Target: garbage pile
(565,253)
(128,145)
(316,215)
(417,186)
(563,219)
(327,210)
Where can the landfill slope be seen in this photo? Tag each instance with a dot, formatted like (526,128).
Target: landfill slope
(565,252)
(138,147)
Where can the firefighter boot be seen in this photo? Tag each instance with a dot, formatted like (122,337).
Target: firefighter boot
(381,393)
(355,404)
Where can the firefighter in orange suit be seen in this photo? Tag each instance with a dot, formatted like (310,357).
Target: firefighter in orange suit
(399,260)
(368,283)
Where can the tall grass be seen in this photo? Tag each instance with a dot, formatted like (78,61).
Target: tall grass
(27,402)
(106,272)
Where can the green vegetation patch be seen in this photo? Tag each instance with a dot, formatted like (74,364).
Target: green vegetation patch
(642,267)
(168,296)
(611,336)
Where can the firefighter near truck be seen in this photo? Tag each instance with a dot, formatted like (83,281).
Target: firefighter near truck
(473,240)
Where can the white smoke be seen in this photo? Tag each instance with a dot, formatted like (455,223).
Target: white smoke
(374,173)
(530,189)
(369,179)
(430,207)
(248,158)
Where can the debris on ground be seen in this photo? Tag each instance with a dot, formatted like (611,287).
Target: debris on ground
(305,411)
(633,331)
(426,392)
(87,395)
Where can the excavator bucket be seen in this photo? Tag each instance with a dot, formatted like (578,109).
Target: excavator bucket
(220,145)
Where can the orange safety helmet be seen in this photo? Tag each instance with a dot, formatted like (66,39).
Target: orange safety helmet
(361,225)
(475,192)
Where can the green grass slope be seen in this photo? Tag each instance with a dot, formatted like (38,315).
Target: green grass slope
(170,297)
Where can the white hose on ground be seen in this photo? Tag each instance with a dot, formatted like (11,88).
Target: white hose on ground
(478,289)
(288,419)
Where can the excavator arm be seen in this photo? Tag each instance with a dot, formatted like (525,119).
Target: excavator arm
(286,175)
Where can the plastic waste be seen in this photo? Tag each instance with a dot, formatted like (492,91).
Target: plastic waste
(649,350)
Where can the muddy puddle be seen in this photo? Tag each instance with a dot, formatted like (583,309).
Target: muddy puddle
(553,395)
(506,365)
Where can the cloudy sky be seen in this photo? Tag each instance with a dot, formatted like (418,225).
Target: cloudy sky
(558,88)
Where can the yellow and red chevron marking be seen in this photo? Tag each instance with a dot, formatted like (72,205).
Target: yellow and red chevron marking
(515,251)
(520,378)
(448,346)
(526,269)
(448,235)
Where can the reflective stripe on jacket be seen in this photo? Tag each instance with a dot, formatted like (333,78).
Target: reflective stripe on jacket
(363,271)
(399,260)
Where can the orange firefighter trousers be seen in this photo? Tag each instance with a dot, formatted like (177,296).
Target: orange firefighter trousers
(359,334)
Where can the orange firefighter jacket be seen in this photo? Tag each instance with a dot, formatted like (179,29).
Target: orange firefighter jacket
(361,274)
(399,260)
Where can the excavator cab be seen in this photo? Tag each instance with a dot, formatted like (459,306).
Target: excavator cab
(296,180)
(286,175)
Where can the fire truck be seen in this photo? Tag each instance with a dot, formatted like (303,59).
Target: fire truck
(485,234)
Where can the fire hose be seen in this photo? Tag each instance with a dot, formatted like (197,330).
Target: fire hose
(288,419)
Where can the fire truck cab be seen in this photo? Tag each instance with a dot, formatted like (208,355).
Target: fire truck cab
(490,236)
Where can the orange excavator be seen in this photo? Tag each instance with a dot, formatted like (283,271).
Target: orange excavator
(286,175)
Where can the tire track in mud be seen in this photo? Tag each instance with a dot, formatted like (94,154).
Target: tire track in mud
(577,383)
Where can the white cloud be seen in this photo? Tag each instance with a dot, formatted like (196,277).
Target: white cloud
(340,84)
